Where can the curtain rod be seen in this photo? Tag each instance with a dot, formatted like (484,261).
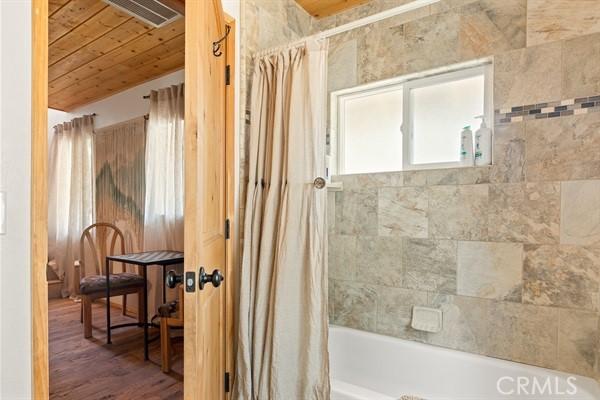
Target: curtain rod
(392,12)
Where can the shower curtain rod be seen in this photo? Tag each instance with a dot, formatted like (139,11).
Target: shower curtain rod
(392,12)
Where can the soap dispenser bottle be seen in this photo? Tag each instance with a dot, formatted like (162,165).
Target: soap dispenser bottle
(466,147)
(483,144)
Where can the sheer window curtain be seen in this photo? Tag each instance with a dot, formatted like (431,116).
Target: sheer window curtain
(163,216)
(70,195)
(283,323)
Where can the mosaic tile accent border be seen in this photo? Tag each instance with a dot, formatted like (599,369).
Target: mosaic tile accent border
(553,109)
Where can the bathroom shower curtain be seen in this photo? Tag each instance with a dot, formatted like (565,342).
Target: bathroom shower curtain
(70,195)
(282,337)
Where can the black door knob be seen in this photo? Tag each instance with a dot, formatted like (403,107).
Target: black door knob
(215,278)
(173,279)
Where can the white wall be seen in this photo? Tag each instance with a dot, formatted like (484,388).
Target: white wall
(15,178)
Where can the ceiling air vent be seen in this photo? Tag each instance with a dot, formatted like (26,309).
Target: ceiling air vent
(152,12)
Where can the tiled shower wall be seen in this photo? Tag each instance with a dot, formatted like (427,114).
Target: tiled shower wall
(510,252)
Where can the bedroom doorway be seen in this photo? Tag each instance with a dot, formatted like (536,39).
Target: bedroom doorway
(209,203)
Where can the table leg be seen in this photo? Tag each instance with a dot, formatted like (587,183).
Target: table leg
(145,313)
(164,284)
(108,339)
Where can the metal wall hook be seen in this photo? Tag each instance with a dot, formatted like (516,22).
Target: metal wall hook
(217,45)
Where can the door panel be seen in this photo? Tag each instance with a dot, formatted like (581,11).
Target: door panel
(205,200)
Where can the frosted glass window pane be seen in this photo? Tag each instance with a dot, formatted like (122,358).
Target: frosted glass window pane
(440,112)
(372,135)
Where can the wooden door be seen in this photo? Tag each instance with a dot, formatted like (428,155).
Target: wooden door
(205,199)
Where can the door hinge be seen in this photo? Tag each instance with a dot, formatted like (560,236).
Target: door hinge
(227,229)
(228,75)
(227,388)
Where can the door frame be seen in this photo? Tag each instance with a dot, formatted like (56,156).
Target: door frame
(40,379)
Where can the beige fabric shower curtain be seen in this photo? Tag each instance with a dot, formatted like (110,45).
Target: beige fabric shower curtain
(282,337)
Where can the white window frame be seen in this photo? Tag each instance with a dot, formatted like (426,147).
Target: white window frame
(408,106)
(405,83)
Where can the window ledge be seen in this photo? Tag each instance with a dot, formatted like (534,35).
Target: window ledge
(335,186)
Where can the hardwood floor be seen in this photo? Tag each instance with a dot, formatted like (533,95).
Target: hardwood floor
(90,369)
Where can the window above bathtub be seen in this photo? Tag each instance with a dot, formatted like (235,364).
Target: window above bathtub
(409,122)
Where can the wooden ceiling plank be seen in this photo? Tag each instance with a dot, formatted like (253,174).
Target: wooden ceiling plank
(55,5)
(326,8)
(118,84)
(92,29)
(71,15)
(148,62)
(119,36)
(118,55)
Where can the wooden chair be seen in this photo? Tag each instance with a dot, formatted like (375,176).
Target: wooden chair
(171,316)
(96,238)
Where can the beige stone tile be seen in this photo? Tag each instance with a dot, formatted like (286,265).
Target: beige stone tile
(356,212)
(492,26)
(490,270)
(369,181)
(342,252)
(580,213)
(509,153)
(464,322)
(458,176)
(355,305)
(394,311)
(381,53)
(331,213)
(342,65)
(563,276)
(550,20)
(447,5)
(430,265)
(379,260)
(581,65)
(431,42)
(566,148)
(415,178)
(522,333)
(578,342)
(528,76)
(524,212)
(331,300)
(458,212)
(403,212)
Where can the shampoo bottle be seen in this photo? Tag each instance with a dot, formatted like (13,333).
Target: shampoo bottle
(466,146)
(483,144)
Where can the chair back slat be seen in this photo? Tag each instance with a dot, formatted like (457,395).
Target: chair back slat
(97,237)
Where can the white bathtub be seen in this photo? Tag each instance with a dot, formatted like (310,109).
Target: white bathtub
(367,366)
